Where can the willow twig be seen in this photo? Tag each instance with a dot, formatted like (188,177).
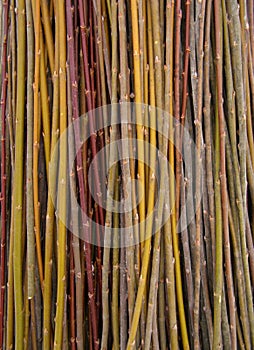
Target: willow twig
(62,180)
(217,339)
(29,169)
(50,217)
(112,177)
(48,33)
(18,179)
(198,173)
(75,112)
(3,167)
(36,135)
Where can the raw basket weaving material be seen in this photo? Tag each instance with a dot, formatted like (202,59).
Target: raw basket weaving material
(127,174)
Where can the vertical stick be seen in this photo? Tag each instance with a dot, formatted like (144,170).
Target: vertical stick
(198,125)
(18,179)
(62,187)
(36,137)
(29,167)
(50,217)
(3,168)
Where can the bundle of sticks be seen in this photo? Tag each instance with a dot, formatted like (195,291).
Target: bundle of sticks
(127,174)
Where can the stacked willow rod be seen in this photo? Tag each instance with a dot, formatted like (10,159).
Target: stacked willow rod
(182,275)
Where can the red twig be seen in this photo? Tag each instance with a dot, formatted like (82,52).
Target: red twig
(98,261)
(75,113)
(91,42)
(90,108)
(72,297)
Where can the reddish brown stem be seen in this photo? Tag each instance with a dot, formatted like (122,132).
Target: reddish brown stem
(75,113)
(72,297)
(91,42)
(90,108)
(98,260)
